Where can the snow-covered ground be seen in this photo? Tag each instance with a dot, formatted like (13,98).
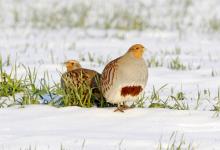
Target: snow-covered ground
(43,35)
(47,127)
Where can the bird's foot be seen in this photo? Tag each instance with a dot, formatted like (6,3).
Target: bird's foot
(125,106)
(121,108)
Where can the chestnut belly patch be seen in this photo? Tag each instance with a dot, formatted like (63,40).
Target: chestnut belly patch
(131,90)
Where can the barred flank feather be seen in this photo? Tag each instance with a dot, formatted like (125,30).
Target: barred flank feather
(108,75)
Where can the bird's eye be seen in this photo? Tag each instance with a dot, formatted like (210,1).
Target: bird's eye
(137,48)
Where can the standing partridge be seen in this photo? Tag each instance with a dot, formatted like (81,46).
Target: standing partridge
(124,78)
(76,76)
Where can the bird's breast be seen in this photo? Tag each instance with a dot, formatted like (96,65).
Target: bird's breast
(133,71)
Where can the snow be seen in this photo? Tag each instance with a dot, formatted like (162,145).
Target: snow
(46,127)
(172,25)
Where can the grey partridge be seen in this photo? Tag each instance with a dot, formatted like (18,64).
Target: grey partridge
(77,76)
(124,78)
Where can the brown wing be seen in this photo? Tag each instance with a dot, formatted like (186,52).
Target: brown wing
(77,77)
(68,79)
(108,75)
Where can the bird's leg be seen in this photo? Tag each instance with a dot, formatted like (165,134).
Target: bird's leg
(122,107)
(125,106)
(119,108)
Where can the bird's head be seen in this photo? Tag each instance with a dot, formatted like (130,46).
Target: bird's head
(137,50)
(72,65)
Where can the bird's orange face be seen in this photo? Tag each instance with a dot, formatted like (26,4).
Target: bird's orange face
(72,64)
(137,50)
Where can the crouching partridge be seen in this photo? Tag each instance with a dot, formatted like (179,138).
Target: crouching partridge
(125,78)
(76,76)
